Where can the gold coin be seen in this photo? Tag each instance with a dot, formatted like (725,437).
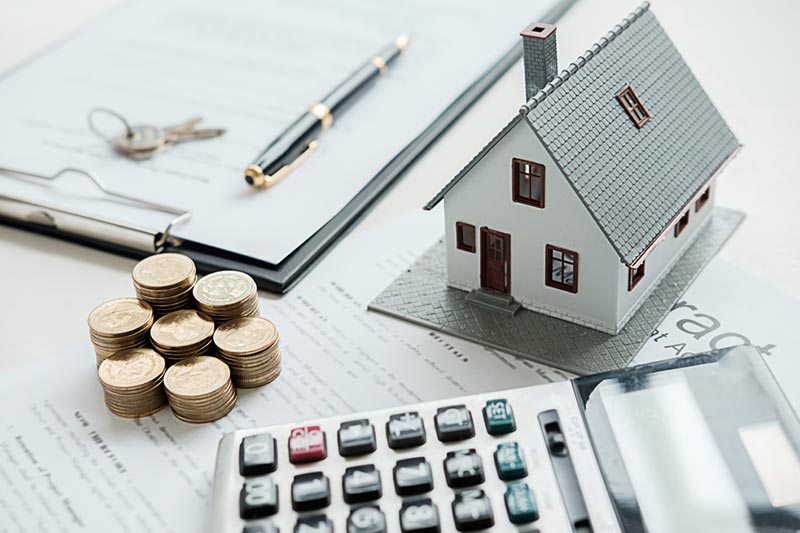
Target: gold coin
(119,317)
(224,288)
(163,271)
(182,328)
(131,368)
(196,376)
(245,335)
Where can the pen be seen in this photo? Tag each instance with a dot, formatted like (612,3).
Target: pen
(299,140)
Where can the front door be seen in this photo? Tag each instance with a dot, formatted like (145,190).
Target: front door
(495,260)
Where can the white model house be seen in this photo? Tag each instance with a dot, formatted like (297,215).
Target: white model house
(592,192)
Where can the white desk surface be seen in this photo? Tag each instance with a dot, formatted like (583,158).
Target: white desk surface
(744,54)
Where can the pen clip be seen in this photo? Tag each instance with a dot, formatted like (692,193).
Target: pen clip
(270,180)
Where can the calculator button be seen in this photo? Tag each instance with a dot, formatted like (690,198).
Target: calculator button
(499,417)
(307,444)
(361,484)
(520,503)
(419,516)
(257,455)
(313,524)
(310,491)
(454,423)
(509,461)
(463,468)
(262,526)
(356,437)
(472,510)
(366,519)
(258,498)
(405,430)
(412,476)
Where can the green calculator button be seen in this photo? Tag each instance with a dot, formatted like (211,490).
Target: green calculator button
(509,461)
(499,417)
(520,503)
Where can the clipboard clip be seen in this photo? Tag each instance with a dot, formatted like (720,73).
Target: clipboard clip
(87,225)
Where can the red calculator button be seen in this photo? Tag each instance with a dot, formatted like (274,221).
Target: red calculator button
(307,444)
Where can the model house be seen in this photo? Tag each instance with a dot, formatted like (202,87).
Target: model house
(587,198)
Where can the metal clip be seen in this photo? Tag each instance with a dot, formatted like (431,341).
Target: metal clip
(264,181)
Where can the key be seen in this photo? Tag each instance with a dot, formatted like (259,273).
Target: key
(258,498)
(463,468)
(367,519)
(361,484)
(187,130)
(144,141)
(472,511)
(454,423)
(412,476)
(257,455)
(311,491)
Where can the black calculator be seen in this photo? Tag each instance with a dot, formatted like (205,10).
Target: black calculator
(629,450)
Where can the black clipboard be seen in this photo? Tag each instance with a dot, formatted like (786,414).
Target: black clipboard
(279,278)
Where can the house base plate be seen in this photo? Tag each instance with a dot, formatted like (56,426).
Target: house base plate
(421,296)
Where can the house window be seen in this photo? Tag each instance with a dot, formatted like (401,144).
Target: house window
(528,182)
(682,223)
(698,205)
(561,268)
(630,102)
(635,275)
(465,237)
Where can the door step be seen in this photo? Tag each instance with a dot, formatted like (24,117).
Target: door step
(494,301)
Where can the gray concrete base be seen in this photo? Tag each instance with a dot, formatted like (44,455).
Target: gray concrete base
(420,295)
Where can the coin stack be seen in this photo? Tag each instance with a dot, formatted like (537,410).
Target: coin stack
(227,295)
(181,334)
(249,345)
(199,389)
(165,281)
(119,325)
(132,382)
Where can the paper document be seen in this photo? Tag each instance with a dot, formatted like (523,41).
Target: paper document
(251,67)
(68,465)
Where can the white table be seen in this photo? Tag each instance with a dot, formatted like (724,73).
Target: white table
(742,52)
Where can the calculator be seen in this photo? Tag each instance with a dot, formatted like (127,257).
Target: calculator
(704,443)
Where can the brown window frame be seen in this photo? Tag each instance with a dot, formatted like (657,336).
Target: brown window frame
(682,222)
(632,105)
(548,264)
(703,199)
(635,275)
(467,247)
(515,177)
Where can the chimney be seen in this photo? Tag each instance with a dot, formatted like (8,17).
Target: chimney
(540,56)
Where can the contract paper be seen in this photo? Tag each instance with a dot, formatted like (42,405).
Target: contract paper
(250,67)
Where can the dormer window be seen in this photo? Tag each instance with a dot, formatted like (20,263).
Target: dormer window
(630,102)
(527,182)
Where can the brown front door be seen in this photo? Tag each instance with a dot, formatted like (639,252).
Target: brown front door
(495,260)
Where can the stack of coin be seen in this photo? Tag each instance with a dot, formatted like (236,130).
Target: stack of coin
(199,389)
(119,325)
(250,347)
(182,334)
(132,382)
(165,281)
(227,295)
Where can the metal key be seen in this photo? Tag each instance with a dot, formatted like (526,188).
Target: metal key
(144,141)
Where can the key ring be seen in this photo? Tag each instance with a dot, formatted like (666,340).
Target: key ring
(96,130)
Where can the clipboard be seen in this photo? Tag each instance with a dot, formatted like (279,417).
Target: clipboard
(137,242)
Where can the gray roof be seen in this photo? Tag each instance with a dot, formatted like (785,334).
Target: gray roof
(633,181)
